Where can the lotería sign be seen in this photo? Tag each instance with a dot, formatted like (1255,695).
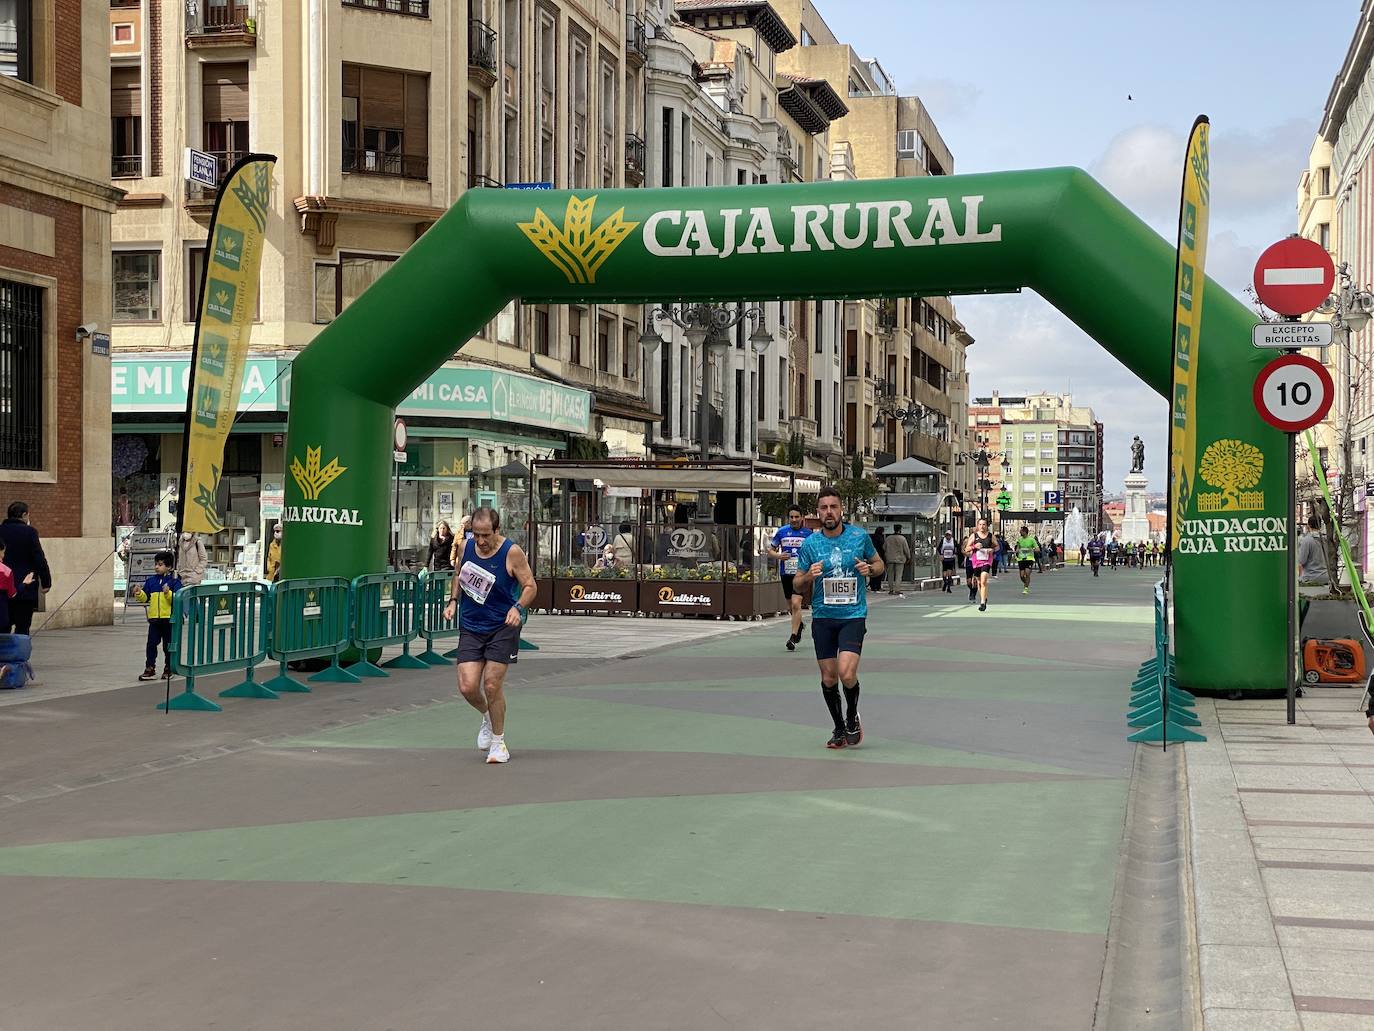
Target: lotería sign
(1292,334)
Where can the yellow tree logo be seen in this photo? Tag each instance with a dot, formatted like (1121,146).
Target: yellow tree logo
(311,479)
(577,249)
(1233,467)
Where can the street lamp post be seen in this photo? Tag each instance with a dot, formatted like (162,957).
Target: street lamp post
(706,324)
(982,461)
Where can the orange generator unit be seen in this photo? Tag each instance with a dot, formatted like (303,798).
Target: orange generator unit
(1336,661)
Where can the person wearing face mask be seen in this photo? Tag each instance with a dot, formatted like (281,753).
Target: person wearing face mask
(191,560)
(274,555)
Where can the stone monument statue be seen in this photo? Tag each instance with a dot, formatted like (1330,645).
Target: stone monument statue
(1137,455)
(1135,523)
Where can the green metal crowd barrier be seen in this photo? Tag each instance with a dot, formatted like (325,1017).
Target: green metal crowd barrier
(385,609)
(1158,705)
(217,628)
(434,595)
(310,619)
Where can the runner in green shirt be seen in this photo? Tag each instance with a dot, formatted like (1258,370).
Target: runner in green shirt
(1026,549)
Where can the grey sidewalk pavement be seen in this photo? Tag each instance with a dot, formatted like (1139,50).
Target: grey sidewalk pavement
(1282,854)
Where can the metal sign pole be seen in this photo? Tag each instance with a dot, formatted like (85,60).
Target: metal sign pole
(1292,649)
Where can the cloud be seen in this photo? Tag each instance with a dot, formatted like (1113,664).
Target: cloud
(1252,174)
(947,99)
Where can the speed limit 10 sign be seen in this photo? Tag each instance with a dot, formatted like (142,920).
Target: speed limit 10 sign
(1293,393)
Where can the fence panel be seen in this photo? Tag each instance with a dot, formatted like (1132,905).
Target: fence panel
(386,608)
(435,589)
(215,628)
(310,619)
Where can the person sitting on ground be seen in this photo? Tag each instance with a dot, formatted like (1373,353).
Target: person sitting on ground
(8,591)
(156,593)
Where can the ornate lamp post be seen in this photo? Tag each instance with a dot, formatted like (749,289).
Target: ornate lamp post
(706,326)
(982,460)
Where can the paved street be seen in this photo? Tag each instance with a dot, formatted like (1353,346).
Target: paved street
(671,846)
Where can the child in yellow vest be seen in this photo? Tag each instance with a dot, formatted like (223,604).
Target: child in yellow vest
(156,593)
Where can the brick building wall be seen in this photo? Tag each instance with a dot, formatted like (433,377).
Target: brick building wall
(67,18)
(56,506)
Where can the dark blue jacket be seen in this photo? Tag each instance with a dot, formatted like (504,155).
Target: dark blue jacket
(24,555)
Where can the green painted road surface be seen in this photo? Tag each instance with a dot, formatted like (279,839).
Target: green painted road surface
(671,845)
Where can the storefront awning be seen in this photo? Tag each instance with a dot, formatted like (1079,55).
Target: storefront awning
(919,506)
(741,477)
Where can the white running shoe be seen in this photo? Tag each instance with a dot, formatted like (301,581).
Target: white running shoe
(498,753)
(484,735)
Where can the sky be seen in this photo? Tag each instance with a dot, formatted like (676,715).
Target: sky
(1114,88)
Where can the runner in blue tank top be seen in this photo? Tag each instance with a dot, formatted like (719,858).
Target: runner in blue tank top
(495,583)
(786,542)
(836,564)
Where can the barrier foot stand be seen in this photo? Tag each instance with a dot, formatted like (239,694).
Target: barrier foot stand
(189,701)
(405,660)
(363,668)
(334,674)
(1144,717)
(283,683)
(431,657)
(249,688)
(528,646)
(452,653)
(1158,732)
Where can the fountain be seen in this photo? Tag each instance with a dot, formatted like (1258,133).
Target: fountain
(1074,534)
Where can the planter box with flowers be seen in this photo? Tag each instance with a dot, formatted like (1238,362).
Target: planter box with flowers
(580,589)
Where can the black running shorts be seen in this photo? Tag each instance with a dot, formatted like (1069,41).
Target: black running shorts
(947,564)
(832,636)
(1025,563)
(787,589)
(500,645)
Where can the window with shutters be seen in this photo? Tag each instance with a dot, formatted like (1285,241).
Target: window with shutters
(603,345)
(224,107)
(546,73)
(126,122)
(21,375)
(609,108)
(576,316)
(581,88)
(385,122)
(338,286)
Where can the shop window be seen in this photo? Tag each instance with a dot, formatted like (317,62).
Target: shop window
(21,376)
(137,286)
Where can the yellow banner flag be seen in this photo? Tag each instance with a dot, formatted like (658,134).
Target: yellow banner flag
(1190,280)
(224,322)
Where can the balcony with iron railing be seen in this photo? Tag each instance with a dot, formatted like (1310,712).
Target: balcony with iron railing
(390,163)
(126,166)
(482,51)
(635,159)
(410,8)
(636,39)
(229,24)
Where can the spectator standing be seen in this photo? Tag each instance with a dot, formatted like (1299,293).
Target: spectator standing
(24,555)
(879,538)
(897,554)
(156,593)
(441,547)
(1313,569)
(191,560)
(274,555)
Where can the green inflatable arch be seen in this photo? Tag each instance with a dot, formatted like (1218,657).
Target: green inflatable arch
(1055,231)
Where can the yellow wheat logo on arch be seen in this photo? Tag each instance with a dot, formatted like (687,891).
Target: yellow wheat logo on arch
(312,479)
(577,249)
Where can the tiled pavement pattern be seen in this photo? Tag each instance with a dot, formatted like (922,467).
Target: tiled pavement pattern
(1283,863)
(671,846)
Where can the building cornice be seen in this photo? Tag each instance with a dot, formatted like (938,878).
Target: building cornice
(88,193)
(320,215)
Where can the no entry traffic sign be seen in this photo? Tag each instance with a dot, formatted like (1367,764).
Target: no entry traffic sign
(1294,275)
(1293,392)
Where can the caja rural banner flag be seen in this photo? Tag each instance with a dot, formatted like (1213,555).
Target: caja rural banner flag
(228,300)
(1189,280)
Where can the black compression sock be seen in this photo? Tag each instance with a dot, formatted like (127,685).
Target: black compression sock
(851,701)
(832,702)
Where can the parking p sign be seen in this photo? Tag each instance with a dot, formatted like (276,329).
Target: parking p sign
(1054,500)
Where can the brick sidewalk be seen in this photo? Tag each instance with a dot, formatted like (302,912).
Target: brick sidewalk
(1282,850)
